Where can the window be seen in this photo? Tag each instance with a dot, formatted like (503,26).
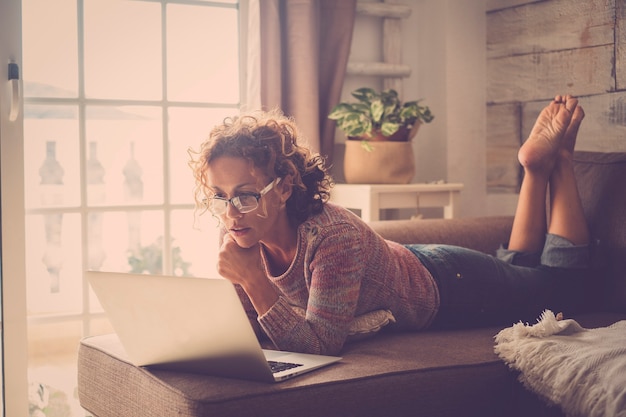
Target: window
(115,92)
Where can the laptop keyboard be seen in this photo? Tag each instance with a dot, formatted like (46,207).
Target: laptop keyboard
(282,366)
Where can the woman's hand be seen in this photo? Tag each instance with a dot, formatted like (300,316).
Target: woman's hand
(239,264)
(244,266)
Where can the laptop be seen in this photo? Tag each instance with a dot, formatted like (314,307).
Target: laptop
(192,325)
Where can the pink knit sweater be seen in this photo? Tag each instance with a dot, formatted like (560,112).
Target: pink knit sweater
(343,269)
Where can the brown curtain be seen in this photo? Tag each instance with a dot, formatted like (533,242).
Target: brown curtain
(304,53)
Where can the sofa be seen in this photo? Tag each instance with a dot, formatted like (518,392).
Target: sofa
(431,373)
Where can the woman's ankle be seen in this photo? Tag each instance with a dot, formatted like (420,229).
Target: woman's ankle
(563,165)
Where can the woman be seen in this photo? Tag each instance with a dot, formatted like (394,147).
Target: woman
(306,268)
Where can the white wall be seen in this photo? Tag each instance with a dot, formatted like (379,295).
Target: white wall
(444,43)
(449,58)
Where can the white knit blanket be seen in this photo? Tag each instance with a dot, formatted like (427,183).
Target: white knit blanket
(582,370)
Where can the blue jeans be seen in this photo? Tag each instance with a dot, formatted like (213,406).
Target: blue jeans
(477,289)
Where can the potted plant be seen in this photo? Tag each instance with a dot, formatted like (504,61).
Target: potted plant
(384,119)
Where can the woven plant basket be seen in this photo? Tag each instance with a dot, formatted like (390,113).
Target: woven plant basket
(387,163)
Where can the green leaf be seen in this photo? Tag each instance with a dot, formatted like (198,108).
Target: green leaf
(390,110)
(389,128)
(390,96)
(408,114)
(353,125)
(340,111)
(367,147)
(366,127)
(378,109)
(364,94)
(426,115)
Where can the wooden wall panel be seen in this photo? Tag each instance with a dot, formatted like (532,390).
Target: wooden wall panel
(508,125)
(503,142)
(537,49)
(505,4)
(503,125)
(620,47)
(604,126)
(550,26)
(542,75)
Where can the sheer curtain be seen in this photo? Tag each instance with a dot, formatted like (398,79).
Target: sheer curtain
(299,52)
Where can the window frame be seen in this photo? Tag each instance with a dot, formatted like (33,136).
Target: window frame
(14,301)
(14,353)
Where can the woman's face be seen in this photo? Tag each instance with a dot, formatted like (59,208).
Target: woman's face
(229,177)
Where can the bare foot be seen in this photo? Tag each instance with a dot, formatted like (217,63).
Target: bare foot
(569,139)
(539,151)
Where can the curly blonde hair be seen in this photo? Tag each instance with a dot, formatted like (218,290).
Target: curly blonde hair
(268,140)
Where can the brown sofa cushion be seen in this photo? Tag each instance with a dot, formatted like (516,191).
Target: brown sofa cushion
(485,234)
(447,373)
(434,373)
(602,187)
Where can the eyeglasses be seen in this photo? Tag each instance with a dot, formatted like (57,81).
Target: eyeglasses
(244,203)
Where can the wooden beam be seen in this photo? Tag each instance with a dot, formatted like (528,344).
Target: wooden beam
(551,26)
(503,142)
(541,76)
(604,126)
(505,4)
(394,11)
(620,46)
(392,49)
(378,69)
